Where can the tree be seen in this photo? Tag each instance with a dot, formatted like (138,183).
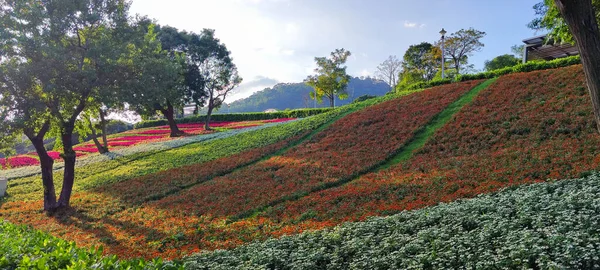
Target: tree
(220,77)
(502,61)
(549,18)
(331,79)
(462,44)
(421,60)
(581,19)
(55,53)
(389,69)
(517,50)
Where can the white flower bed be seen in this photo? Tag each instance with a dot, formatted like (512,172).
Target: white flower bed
(142,148)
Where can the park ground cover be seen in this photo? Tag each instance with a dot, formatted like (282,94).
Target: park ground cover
(540,226)
(131,218)
(525,128)
(522,129)
(137,137)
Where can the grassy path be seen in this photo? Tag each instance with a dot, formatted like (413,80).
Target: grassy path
(436,123)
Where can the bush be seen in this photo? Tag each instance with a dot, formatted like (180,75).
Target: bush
(363,98)
(527,67)
(299,113)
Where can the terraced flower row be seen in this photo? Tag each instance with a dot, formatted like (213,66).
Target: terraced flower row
(135,137)
(194,219)
(525,128)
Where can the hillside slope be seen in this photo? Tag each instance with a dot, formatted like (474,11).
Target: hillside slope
(295,96)
(141,211)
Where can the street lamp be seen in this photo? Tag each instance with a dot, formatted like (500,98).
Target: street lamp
(443,33)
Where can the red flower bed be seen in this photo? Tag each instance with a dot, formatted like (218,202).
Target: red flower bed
(525,128)
(86,148)
(135,138)
(155,131)
(18,161)
(122,143)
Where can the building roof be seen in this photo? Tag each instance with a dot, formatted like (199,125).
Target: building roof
(539,48)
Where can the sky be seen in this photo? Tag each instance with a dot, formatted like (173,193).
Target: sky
(276,41)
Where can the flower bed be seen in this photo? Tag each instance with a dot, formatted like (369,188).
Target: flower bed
(18,161)
(525,128)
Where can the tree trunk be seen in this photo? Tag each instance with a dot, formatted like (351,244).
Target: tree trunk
(101,149)
(69,158)
(580,17)
(208,114)
(103,127)
(46,165)
(169,114)
(332,101)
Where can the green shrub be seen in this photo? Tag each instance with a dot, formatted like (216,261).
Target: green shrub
(24,248)
(363,98)
(299,113)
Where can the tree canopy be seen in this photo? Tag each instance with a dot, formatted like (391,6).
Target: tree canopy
(502,61)
(462,44)
(331,79)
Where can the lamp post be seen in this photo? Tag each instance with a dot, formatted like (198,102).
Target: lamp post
(443,33)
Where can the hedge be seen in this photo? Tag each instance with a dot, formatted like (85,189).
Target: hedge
(526,67)
(299,113)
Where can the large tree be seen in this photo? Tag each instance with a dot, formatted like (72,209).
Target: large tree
(156,76)
(421,60)
(57,51)
(581,17)
(462,44)
(389,70)
(502,61)
(331,79)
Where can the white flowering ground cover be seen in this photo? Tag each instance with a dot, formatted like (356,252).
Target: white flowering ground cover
(541,226)
(135,149)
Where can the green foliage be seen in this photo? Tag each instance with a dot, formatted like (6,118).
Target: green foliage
(421,63)
(527,67)
(363,98)
(462,44)
(549,18)
(540,226)
(24,248)
(300,113)
(331,79)
(502,61)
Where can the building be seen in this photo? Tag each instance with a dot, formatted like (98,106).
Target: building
(537,48)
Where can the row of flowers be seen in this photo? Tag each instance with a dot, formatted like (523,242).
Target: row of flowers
(135,137)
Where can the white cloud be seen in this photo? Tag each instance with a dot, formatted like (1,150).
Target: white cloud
(408,24)
(365,73)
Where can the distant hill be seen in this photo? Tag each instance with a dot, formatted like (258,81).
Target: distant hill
(296,95)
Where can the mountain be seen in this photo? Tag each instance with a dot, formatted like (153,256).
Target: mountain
(296,95)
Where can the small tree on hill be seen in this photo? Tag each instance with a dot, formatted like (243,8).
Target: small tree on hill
(389,69)
(462,44)
(220,77)
(331,79)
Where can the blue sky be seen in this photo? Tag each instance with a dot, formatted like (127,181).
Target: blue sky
(276,41)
